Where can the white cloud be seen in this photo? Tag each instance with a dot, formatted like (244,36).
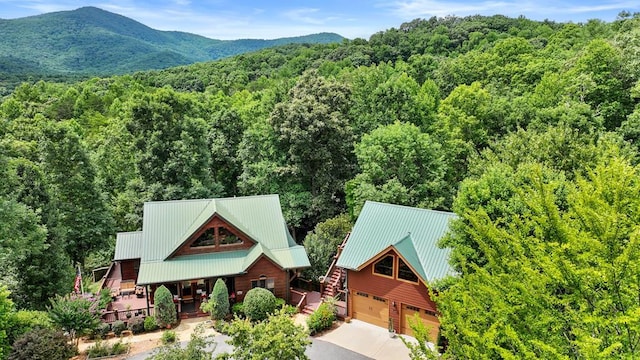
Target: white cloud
(304,15)
(410,9)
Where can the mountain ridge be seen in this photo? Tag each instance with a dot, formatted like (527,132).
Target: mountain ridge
(90,40)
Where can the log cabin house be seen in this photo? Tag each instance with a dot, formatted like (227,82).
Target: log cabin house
(388,261)
(187,245)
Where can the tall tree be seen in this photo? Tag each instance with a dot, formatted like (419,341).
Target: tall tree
(79,215)
(399,164)
(173,157)
(322,243)
(312,130)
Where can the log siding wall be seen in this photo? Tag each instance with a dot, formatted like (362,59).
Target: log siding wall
(398,291)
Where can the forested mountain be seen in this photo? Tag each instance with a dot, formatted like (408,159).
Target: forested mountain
(93,41)
(527,130)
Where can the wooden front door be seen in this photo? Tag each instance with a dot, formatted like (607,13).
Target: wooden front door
(427,317)
(371,309)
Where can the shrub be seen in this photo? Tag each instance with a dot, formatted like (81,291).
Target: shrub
(103,349)
(102,330)
(136,325)
(104,298)
(218,304)
(259,303)
(165,308)
(290,310)
(276,338)
(238,309)
(280,303)
(23,321)
(169,337)
(118,327)
(74,315)
(42,344)
(195,349)
(321,319)
(150,323)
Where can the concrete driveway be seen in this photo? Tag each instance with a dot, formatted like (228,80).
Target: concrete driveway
(356,340)
(319,350)
(368,340)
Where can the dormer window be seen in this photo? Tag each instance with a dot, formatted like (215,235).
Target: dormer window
(217,236)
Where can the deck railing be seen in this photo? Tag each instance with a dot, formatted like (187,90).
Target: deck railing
(299,298)
(115,315)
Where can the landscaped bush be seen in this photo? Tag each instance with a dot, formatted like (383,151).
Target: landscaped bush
(290,310)
(118,327)
(321,319)
(165,308)
(102,349)
(150,323)
(102,330)
(220,298)
(259,303)
(136,325)
(238,309)
(104,298)
(24,321)
(42,344)
(169,337)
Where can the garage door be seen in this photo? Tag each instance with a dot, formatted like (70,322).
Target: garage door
(370,308)
(427,317)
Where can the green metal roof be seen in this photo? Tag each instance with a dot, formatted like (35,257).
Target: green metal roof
(412,232)
(128,246)
(168,224)
(193,267)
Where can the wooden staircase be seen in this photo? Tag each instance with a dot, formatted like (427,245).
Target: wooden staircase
(333,279)
(333,283)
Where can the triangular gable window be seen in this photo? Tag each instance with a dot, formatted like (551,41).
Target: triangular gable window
(206,239)
(405,272)
(217,236)
(384,266)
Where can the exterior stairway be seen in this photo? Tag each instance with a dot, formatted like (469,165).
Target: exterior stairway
(333,283)
(334,278)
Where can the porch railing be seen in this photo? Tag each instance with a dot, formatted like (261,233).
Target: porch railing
(299,298)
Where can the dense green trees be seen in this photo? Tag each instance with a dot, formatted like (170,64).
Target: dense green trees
(322,244)
(511,123)
(398,164)
(550,272)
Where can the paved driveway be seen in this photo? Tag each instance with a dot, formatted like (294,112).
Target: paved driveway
(356,340)
(368,340)
(319,350)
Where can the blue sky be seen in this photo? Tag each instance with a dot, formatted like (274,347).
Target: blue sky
(268,19)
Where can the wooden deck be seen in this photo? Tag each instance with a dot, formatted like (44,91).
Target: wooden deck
(124,297)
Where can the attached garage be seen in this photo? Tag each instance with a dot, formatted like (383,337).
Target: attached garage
(427,317)
(370,308)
